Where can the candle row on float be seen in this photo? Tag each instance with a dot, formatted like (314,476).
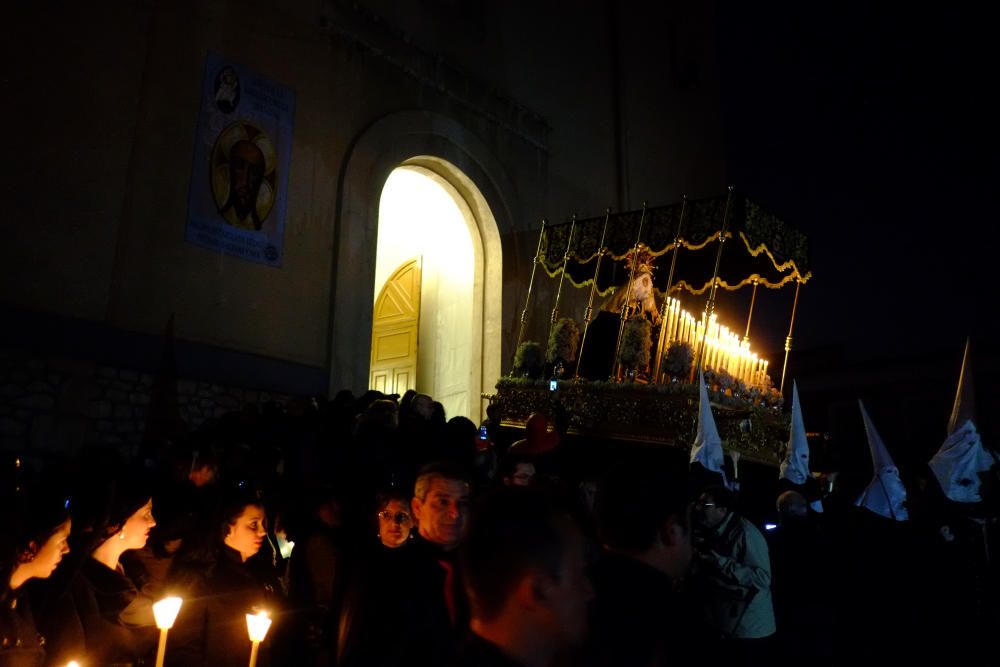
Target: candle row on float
(723,348)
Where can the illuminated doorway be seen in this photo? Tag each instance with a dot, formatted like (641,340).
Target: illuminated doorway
(427,325)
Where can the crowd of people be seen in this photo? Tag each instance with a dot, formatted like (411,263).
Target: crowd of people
(374,532)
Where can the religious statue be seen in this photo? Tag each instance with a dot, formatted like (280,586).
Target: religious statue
(630,300)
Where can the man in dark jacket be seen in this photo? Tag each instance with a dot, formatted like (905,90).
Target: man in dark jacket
(427,611)
(641,615)
(524,567)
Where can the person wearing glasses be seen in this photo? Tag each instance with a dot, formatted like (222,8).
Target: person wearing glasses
(394,520)
(379,589)
(733,569)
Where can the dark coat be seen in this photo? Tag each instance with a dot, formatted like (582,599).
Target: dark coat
(211,629)
(21,645)
(640,619)
(408,592)
(477,652)
(96,620)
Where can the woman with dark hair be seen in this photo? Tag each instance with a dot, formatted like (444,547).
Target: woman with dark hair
(32,543)
(394,519)
(376,596)
(220,587)
(102,617)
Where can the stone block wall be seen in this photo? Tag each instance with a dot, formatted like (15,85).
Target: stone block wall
(51,407)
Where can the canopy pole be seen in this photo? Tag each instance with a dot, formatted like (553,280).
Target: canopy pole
(710,305)
(628,293)
(753,299)
(788,340)
(527,299)
(661,343)
(589,313)
(562,276)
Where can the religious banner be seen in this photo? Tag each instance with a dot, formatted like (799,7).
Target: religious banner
(242,152)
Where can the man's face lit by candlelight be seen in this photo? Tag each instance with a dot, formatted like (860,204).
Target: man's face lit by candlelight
(444,511)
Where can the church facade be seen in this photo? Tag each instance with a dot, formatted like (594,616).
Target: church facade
(523,111)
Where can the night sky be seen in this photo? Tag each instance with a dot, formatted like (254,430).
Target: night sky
(875,133)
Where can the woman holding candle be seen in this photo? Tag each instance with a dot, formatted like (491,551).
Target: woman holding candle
(214,574)
(32,543)
(102,615)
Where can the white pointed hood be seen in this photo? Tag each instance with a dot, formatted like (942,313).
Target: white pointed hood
(885,494)
(795,466)
(958,463)
(962,457)
(707,448)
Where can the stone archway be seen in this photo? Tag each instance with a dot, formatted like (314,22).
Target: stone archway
(440,145)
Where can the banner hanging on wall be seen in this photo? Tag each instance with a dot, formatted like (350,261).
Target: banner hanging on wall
(242,152)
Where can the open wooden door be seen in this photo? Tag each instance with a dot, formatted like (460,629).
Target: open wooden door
(395,324)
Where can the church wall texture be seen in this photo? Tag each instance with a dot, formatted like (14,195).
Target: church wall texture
(551,109)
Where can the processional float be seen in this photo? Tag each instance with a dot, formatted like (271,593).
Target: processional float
(716,245)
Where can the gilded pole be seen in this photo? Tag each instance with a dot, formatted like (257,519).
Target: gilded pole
(753,299)
(710,304)
(589,313)
(661,343)
(628,292)
(562,276)
(788,341)
(531,286)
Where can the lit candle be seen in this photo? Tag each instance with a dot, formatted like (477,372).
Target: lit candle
(677,314)
(669,310)
(257,627)
(165,613)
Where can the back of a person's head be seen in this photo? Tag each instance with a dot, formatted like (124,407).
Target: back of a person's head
(513,531)
(447,470)
(634,501)
(422,406)
(792,504)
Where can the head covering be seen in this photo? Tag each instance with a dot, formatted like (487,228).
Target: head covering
(707,448)
(538,438)
(962,457)
(795,467)
(885,494)
(958,463)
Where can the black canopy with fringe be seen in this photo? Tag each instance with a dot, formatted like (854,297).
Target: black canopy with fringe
(760,247)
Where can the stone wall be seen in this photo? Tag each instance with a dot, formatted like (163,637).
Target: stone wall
(50,406)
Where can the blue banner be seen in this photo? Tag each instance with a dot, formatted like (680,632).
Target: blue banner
(242,152)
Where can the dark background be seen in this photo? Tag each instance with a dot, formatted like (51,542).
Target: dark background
(874,130)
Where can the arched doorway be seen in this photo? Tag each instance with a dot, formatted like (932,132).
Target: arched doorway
(427,329)
(452,154)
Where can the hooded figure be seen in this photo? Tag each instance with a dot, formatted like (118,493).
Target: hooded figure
(885,494)
(795,466)
(962,457)
(707,448)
